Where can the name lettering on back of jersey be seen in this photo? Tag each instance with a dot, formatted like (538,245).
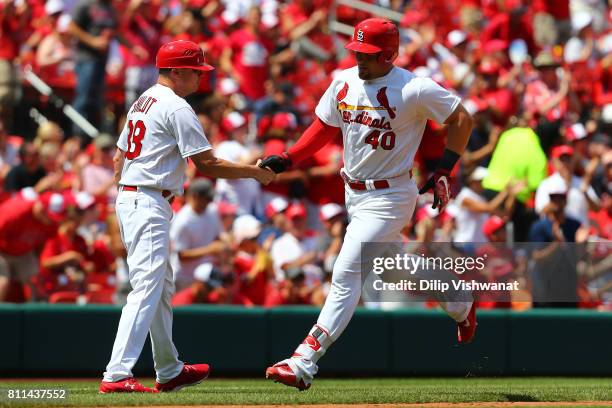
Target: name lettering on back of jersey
(143,104)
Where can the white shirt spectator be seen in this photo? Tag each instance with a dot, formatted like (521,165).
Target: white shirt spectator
(244,193)
(469,223)
(284,250)
(192,230)
(577,206)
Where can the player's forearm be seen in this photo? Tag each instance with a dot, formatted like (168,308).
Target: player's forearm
(219,168)
(314,138)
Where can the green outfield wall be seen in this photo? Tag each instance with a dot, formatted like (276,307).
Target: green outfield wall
(42,339)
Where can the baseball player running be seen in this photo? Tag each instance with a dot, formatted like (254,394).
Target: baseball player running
(381,111)
(161,131)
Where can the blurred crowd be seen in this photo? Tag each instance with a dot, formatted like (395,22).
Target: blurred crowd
(535,74)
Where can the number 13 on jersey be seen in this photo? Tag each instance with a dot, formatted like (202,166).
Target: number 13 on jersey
(135,136)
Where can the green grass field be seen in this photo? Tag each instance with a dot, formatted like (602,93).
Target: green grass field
(331,391)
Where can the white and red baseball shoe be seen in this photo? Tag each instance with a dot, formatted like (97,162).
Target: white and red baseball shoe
(129,384)
(282,373)
(192,374)
(467,328)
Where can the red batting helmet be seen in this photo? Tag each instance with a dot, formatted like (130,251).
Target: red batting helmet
(375,35)
(181,54)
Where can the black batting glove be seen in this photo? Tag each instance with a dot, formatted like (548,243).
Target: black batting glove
(277,164)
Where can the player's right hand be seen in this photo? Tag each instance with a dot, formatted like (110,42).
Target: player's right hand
(277,164)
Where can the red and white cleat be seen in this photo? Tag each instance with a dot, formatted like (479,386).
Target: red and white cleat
(126,385)
(467,328)
(192,374)
(282,373)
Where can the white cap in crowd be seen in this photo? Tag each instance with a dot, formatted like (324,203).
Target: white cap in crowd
(479,174)
(277,205)
(581,20)
(54,7)
(84,200)
(557,187)
(576,132)
(246,227)
(456,37)
(329,211)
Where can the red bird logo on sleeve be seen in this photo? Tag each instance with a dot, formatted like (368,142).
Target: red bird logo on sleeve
(343,92)
(381,97)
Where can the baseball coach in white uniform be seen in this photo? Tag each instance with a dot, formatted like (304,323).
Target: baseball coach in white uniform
(160,133)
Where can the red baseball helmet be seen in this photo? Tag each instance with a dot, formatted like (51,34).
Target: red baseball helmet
(181,54)
(375,35)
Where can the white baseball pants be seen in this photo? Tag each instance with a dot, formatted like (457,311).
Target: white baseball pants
(144,220)
(375,216)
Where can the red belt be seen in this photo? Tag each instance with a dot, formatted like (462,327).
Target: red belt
(363,185)
(164,193)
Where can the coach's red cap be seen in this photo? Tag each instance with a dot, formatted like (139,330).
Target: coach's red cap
(181,54)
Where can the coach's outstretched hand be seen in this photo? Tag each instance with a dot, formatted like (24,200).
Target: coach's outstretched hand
(440,183)
(277,164)
(264,175)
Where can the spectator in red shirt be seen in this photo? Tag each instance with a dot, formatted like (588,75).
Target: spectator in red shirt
(305,25)
(142,29)
(545,100)
(501,101)
(55,55)
(65,259)
(26,222)
(291,291)
(247,57)
(97,176)
(207,288)
(252,264)
(510,26)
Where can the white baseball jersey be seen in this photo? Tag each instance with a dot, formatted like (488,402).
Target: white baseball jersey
(382,120)
(160,132)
